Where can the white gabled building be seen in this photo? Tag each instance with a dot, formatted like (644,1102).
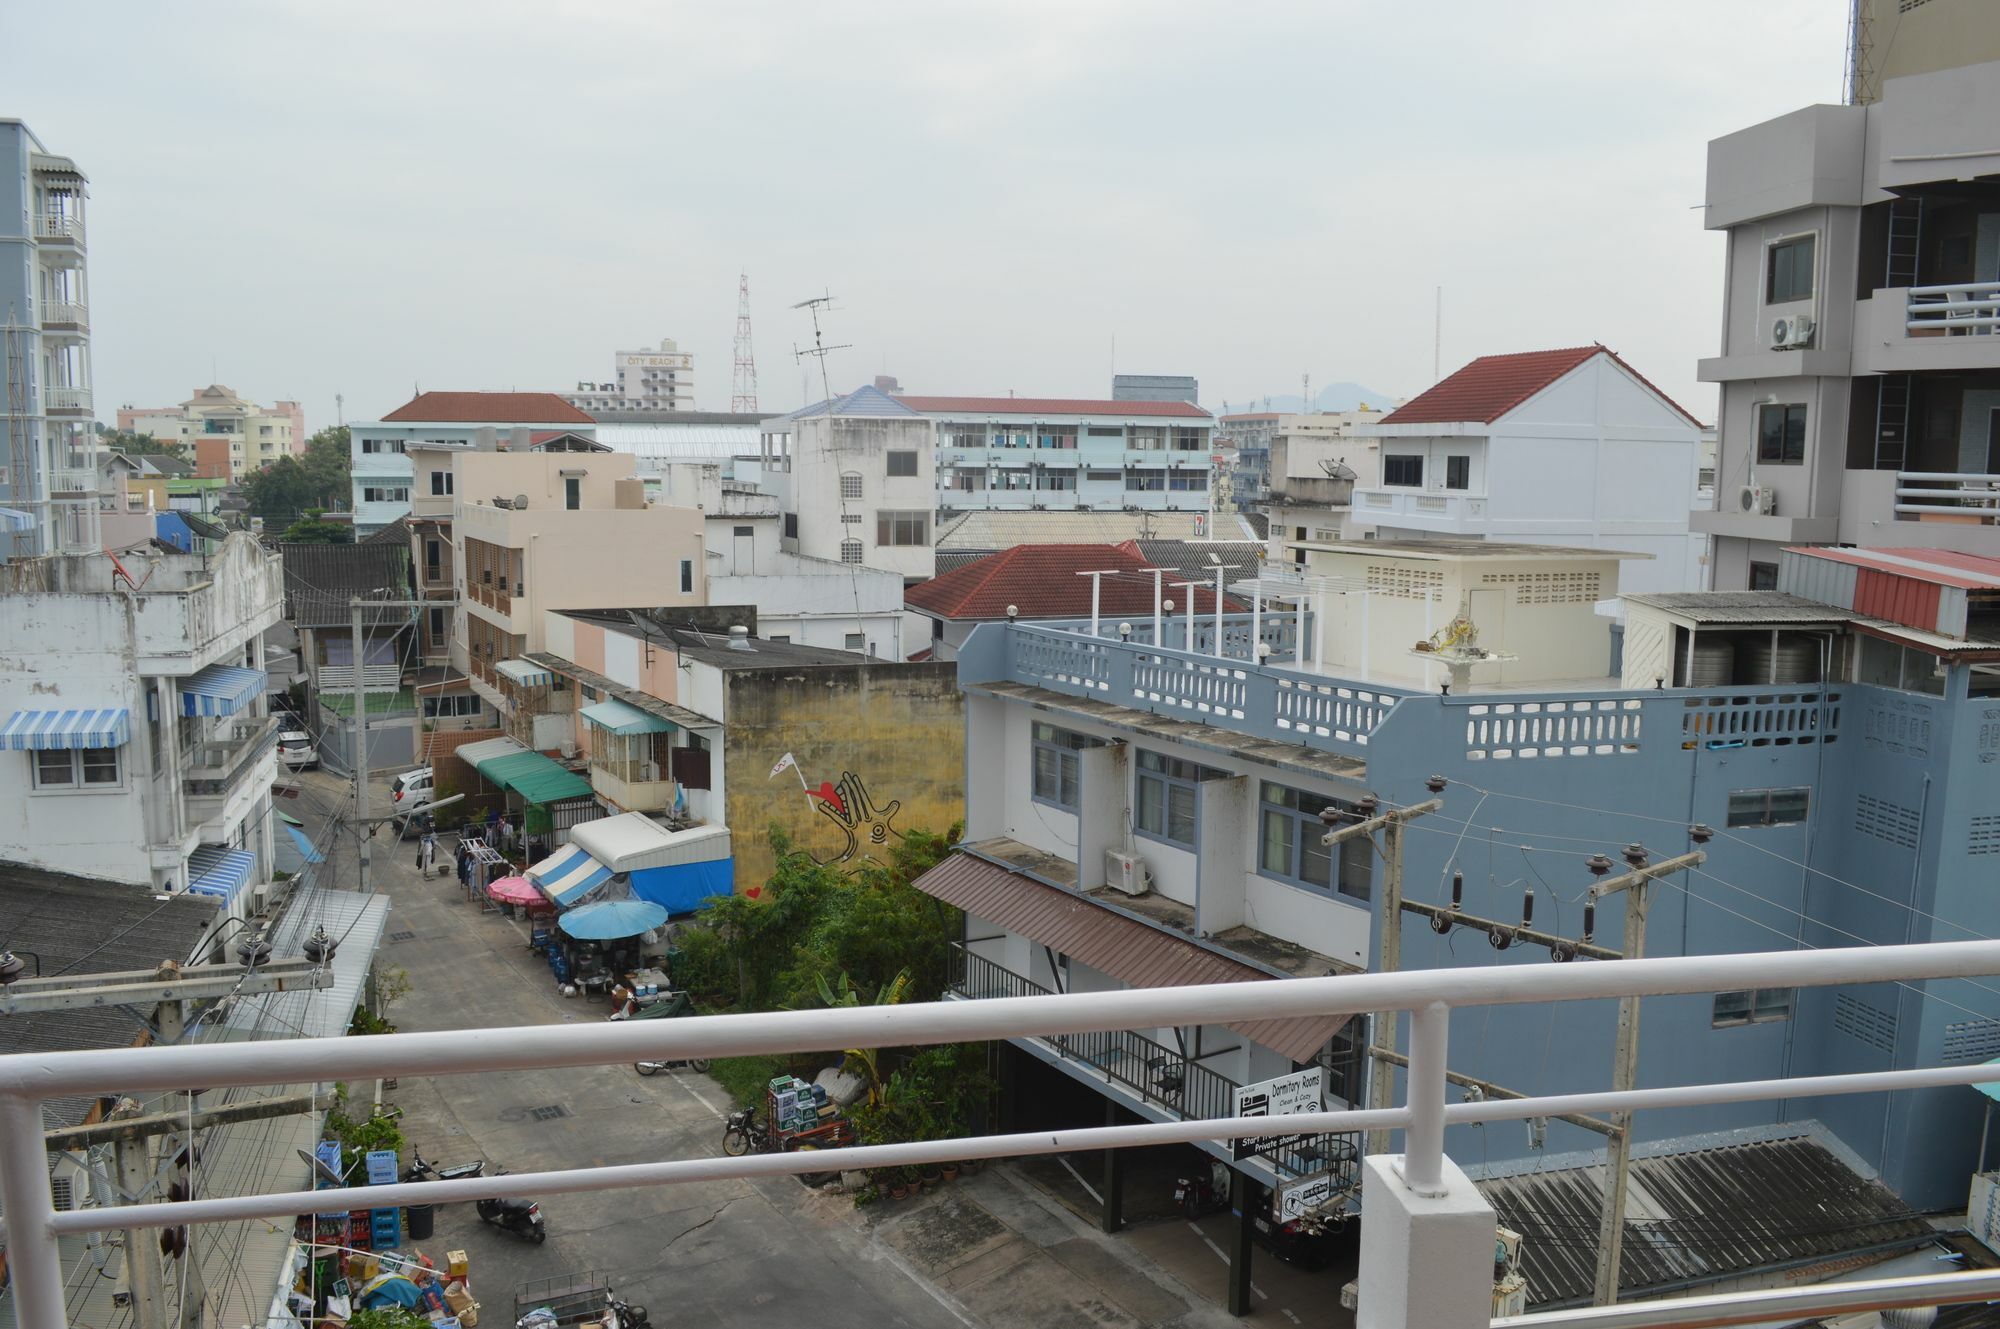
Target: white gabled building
(1564,447)
(856,482)
(135,745)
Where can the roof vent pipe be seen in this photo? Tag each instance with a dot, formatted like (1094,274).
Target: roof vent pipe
(739,638)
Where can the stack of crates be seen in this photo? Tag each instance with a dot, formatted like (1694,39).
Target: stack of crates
(385,1227)
(797,1105)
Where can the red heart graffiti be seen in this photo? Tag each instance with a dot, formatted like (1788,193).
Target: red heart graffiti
(827,794)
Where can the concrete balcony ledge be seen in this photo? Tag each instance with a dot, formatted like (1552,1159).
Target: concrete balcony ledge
(216,765)
(1761,526)
(1455,511)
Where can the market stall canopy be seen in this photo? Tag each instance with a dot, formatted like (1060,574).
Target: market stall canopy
(624,721)
(536,778)
(568,875)
(675,869)
(221,690)
(610,920)
(45,731)
(516,890)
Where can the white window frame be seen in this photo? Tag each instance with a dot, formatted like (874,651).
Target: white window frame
(73,761)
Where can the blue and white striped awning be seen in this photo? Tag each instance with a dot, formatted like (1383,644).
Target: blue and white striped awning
(526,673)
(213,870)
(221,690)
(46,730)
(568,875)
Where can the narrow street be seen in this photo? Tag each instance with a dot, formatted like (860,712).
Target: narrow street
(996,1250)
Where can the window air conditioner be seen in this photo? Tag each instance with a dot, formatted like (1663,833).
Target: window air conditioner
(1791,332)
(1126,872)
(1756,499)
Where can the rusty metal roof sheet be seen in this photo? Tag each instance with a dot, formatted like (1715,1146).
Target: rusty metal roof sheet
(1122,947)
(1699,1216)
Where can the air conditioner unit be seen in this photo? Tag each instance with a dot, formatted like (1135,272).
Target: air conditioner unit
(1791,332)
(1126,873)
(1756,499)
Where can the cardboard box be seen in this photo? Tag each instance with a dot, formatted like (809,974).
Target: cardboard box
(456,1264)
(457,1298)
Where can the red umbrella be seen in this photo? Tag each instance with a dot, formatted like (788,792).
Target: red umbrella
(516,890)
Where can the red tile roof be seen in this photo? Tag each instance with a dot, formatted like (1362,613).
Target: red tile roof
(1051,406)
(537,408)
(1493,385)
(1041,581)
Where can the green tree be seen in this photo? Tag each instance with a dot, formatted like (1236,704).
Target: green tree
(310,530)
(137,444)
(280,493)
(325,463)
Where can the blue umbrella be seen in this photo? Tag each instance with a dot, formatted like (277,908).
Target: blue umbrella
(608,920)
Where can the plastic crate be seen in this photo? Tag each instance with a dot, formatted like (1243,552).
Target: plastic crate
(381,1164)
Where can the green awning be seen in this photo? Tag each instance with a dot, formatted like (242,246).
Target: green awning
(625,720)
(536,778)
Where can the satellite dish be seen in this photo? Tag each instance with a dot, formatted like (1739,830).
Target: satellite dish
(520,501)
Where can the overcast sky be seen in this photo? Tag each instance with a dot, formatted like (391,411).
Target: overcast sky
(354,197)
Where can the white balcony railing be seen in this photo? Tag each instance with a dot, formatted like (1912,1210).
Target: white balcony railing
(1444,510)
(58,226)
(1967,497)
(73,481)
(65,314)
(1961,309)
(1416,1202)
(65,399)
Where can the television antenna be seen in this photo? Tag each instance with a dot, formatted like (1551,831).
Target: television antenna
(819,350)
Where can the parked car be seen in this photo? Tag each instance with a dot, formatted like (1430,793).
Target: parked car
(412,790)
(297,751)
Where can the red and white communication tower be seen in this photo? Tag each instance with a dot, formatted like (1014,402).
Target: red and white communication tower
(743,393)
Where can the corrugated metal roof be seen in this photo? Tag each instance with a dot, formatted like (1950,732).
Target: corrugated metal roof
(1122,947)
(1696,1216)
(1741,607)
(1944,567)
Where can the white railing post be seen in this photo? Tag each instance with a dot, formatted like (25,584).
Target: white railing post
(34,1264)
(1427,1247)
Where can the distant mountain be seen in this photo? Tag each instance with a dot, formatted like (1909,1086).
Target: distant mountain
(1332,397)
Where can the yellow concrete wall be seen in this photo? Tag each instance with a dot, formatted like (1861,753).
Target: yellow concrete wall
(882,746)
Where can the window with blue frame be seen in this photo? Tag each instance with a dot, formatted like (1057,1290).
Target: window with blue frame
(1169,797)
(1056,766)
(1289,848)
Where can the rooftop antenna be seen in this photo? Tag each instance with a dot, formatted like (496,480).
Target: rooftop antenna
(1437,337)
(819,349)
(743,398)
(1860,54)
(1305,394)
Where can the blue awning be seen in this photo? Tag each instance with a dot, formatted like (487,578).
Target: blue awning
(46,730)
(568,875)
(527,674)
(624,720)
(305,844)
(221,690)
(213,870)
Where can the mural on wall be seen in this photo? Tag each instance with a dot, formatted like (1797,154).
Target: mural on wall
(848,805)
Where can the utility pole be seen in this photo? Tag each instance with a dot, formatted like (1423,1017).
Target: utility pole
(134,1168)
(1625,1060)
(1389,956)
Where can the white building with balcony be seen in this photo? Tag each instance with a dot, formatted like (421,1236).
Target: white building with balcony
(1312,466)
(647,380)
(48,479)
(1860,358)
(1566,447)
(856,481)
(136,746)
(1026,454)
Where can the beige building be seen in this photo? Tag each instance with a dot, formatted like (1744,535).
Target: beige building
(1894,38)
(1315,462)
(648,380)
(540,530)
(255,435)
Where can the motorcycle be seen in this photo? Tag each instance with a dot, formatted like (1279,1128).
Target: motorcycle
(697,1064)
(523,1218)
(422,1169)
(1207,1192)
(742,1133)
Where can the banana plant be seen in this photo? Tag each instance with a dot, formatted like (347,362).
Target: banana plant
(866,1061)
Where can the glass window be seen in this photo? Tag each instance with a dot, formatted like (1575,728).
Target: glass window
(441,482)
(1763,576)
(687,576)
(1781,433)
(1056,768)
(1405,471)
(100,765)
(1790,271)
(1768,807)
(1754,1006)
(53,770)
(902,463)
(850,484)
(1289,845)
(572,493)
(1168,796)
(1458,472)
(856,641)
(902,528)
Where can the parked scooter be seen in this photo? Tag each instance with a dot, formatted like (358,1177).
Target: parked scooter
(1206,1192)
(696,1064)
(523,1218)
(422,1169)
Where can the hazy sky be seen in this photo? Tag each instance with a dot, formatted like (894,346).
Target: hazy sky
(354,197)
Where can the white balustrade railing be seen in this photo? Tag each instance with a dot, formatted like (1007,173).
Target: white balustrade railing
(1969,496)
(58,226)
(66,399)
(1419,1197)
(65,312)
(1957,309)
